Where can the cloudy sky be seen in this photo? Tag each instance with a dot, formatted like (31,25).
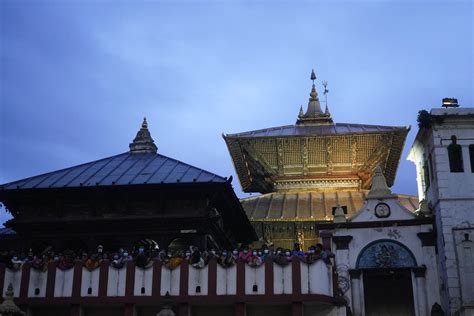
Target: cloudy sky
(77,77)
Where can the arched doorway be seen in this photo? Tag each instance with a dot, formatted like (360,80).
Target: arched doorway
(387,280)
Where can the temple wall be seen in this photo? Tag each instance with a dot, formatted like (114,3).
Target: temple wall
(255,276)
(282,278)
(170,281)
(116,281)
(451,197)
(90,282)
(63,283)
(143,281)
(346,260)
(37,283)
(13,278)
(107,282)
(226,280)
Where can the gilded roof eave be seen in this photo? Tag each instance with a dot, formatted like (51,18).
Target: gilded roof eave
(256,176)
(310,206)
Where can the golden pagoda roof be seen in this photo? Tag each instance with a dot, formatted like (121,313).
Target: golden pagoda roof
(300,157)
(310,205)
(315,153)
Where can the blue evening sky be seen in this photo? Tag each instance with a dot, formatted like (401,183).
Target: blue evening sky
(77,77)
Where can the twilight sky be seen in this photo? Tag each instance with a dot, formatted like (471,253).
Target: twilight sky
(77,77)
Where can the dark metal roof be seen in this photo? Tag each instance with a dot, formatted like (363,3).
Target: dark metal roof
(124,169)
(7,231)
(316,130)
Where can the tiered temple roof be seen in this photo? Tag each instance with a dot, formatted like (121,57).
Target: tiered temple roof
(159,196)
(315,153)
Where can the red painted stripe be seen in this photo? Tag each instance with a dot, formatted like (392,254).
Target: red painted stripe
(129,308)
(326,239)
(77,280)
(296,276)
(240,280)
(103,278)
(130,280)
(184,279)
(25,280)
(240,309)
(212,277)
(156,283)
(50,280)
(269,277)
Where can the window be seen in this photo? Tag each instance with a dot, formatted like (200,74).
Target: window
(426,175)
(455,156)
(432,171)
(471,156)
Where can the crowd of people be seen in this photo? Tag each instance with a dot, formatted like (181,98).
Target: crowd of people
(144,257)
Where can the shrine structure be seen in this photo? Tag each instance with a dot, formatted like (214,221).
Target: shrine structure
(304,171)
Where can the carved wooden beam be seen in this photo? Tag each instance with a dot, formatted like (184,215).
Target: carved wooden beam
(304,155)
(378,155)
(280,156)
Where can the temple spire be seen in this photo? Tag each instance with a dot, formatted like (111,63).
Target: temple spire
(301,113)
(314,115)
(314,107)
(143,143)
(379,187)
(8,307)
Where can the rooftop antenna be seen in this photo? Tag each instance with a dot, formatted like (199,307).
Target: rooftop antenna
(325,85)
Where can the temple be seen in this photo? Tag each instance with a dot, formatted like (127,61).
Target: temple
(143,234)
(304,171)
(123,199)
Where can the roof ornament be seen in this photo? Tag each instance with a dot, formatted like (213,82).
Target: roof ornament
(379,189)
(8,307)
(326,91)
(301,114)
(143,143)
(314,115)
(339,216)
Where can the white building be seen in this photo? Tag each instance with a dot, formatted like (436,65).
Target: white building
(443,153)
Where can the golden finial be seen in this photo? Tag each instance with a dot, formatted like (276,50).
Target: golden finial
(145,123)
(301,114)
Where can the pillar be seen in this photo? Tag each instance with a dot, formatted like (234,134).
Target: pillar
(240,309)
(419,273)
(129,310)
(356,294)
(76,310)
(297,309)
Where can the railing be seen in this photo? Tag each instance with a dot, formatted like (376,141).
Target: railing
(296,281)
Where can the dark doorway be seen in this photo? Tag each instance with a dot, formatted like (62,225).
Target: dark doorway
(388,292)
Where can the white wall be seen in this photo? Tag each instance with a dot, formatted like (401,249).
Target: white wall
(170,281)
(451,196)
(282,279)
(116,281)
(226,280)
(63,283)
(198,277)
(13,277)
(38,280)
(90,279)
(143,278)
(316,278)
(255,275)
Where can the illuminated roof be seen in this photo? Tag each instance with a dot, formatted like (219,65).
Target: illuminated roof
(310,206)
